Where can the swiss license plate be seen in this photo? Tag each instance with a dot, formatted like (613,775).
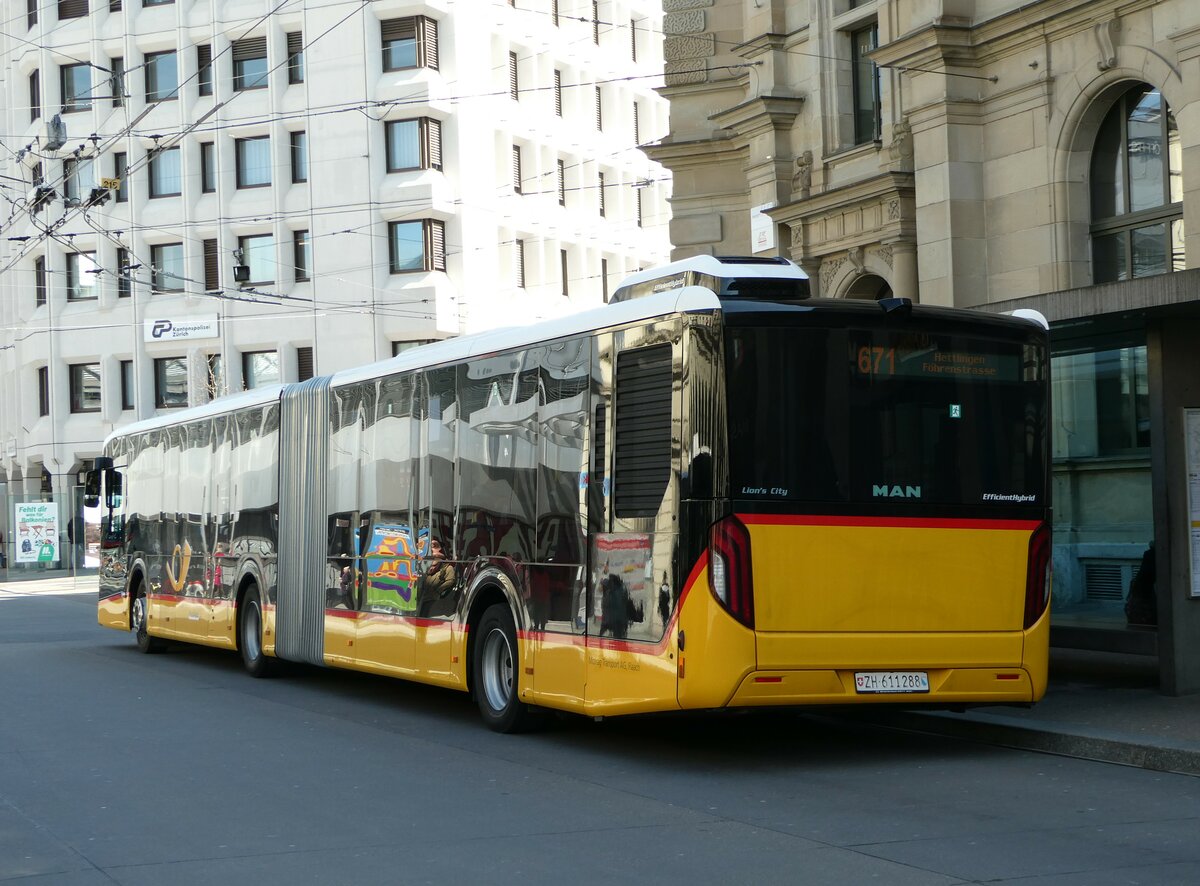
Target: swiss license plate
(891,681)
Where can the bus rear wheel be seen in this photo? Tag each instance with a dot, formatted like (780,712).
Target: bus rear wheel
(495,678)
(250,634)
(138,622)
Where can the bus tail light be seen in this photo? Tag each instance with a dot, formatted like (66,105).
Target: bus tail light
(1037,579)
(729,575)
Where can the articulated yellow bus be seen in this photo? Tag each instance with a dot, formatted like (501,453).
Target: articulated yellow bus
(714,492)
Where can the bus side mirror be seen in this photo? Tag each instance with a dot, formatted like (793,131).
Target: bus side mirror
(91,489)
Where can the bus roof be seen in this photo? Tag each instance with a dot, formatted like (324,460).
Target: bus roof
(688,299)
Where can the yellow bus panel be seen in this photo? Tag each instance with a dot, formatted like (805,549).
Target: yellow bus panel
(958,576)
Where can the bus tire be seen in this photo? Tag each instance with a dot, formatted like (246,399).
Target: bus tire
(250,634)
(495,674)
(138,623)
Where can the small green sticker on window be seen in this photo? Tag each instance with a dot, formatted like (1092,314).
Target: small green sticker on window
(955,410)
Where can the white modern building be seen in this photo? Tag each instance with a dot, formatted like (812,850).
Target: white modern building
(200,196)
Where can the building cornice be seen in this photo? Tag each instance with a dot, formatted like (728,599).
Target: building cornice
(854,194)
(760,114)
(698,152)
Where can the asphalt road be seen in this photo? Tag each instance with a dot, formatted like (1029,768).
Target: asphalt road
(179,769)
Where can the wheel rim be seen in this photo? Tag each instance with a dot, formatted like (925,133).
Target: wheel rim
(139,615)
(251,632)
(497,670)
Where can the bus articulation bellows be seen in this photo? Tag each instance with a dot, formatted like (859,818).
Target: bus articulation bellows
(714,492)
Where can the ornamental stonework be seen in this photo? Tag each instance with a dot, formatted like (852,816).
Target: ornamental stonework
(829,272)
(678,5)
(679,48)
(689,22)
(683,73)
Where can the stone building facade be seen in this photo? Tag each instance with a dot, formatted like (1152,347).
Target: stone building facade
(987,154)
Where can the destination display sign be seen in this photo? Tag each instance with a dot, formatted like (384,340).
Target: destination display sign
(926,356)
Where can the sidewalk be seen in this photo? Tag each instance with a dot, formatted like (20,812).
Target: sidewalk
(1100,706)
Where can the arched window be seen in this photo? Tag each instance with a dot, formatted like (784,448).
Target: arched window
(1137,189)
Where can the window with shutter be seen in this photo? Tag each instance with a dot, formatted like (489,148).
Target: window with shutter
(562,261)
(596,22)
(295,48)
(430,38)
(637,125)
(250,63)
(416,246)
(114,5)
(436,233)
(433,143)
(513,86)
(633,39)
(212,266)
(562,183)
(519,262)
(409,43)
(304,363)
(558,93)
(600,189)
(642,452)
(204,77)
(31,12)
(72,9)
(599,110)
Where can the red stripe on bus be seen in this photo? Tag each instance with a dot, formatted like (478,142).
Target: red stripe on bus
(889,522)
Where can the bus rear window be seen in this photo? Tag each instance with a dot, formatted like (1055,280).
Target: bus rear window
(885,416)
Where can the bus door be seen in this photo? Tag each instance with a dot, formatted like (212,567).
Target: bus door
(223,573)
(191,556)
(555,584)
(104,490)
(631,661)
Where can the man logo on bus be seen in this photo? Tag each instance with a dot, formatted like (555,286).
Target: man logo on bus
(896,491)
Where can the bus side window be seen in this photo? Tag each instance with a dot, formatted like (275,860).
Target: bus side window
(113,481)
(112,520)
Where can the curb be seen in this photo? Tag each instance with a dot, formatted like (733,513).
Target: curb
(990,729)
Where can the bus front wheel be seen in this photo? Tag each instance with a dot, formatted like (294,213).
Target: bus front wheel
(138,622)
(250,634)
(495,677)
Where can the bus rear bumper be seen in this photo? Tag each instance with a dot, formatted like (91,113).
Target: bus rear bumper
(988,685)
